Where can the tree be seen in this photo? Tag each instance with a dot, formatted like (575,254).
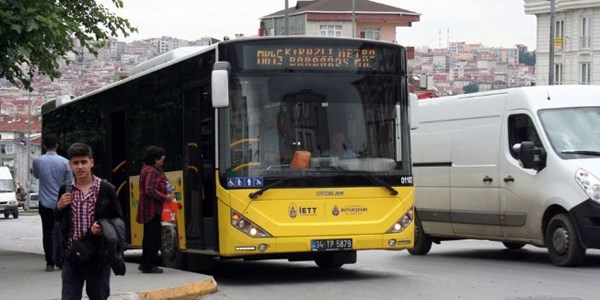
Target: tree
(36,34)
(471,88)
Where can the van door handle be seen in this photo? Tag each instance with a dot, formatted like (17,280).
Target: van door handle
(487,179)
(509,179)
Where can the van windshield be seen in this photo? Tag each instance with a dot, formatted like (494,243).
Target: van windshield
(573,132)
(6,186)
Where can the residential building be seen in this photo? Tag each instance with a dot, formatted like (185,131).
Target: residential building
(576,41)
(367,19)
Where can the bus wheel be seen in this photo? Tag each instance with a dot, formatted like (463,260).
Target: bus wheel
(563,244)
(422,240)
(327,263)
(513,246)
(335,260)
(169,249)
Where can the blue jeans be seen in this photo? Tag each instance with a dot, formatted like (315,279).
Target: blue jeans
(96,277)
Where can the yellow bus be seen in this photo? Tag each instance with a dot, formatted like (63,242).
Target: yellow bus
(291,148)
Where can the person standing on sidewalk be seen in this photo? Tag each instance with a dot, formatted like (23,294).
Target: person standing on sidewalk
(52,170)
(153,193)
(79,209)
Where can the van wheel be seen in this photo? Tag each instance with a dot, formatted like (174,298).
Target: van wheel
(513,246)
(422,240)
(6,215)
(563,244)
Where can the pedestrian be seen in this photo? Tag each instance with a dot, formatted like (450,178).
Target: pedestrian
(79,208)
(52,170)
(153,193)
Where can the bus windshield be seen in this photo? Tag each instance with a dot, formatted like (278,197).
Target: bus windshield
(277,125)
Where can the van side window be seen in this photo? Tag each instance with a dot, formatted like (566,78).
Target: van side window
(521,128)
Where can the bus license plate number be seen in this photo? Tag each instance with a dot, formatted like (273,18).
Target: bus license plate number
(331,245)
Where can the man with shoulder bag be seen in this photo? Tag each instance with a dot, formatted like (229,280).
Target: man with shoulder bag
(80,238)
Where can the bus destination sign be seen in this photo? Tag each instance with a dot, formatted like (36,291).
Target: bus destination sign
(312,58)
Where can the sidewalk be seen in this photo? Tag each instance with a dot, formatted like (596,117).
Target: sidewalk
(23,277)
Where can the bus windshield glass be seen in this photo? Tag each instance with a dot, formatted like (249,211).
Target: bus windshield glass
(315,121)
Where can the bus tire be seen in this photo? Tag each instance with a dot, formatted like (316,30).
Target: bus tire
(422,241)
(327,263)
(562,241)
(335,260)
(513,246)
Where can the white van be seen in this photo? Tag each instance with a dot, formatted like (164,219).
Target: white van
(519,166)
(8,197)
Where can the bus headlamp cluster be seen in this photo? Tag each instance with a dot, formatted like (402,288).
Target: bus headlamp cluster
(246,226)
(589,183)
(402,223)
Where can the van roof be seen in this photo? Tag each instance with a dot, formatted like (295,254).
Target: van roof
(5,173)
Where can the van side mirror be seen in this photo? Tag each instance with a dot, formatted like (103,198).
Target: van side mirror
(531,157)
(220,84)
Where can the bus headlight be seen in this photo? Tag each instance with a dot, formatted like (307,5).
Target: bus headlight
(589,183)
(403,222)
(246,226)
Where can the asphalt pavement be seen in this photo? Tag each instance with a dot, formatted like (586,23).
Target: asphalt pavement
(23,277)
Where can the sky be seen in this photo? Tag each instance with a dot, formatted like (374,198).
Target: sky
(494,23)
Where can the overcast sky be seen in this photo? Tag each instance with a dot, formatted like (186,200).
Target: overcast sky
(490,22)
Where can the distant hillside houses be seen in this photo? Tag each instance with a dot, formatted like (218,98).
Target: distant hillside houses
(447,71)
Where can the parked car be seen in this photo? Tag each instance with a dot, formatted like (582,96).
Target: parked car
(8,197)
(32,201)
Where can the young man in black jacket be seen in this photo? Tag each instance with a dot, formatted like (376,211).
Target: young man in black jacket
(79,208)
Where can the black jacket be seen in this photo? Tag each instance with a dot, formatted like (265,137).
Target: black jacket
(107,207)
(113,231)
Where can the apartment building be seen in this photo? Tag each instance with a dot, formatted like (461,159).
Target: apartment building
(365,19)
(576,41)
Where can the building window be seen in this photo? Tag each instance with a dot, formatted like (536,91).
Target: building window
(331,30)
(558,74)
(586,32)
(372,33)
(586,73)
(9,149)
(559,35)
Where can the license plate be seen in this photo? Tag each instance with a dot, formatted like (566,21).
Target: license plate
(331,245)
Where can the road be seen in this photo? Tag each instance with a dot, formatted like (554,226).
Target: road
(453,270)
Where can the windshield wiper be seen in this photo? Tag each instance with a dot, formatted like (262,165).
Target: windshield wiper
(373,179)
(584,152)
(381,182)
(255,195)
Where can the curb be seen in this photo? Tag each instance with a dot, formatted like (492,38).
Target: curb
(181,292)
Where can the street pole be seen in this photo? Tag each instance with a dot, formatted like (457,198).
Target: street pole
(286,18)
(551,51)
(353,19)
(28,140)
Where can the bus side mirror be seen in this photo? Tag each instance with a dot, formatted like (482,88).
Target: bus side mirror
(531,157)
(414,110)
(220,84)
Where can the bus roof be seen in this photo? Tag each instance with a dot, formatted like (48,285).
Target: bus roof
(177,55)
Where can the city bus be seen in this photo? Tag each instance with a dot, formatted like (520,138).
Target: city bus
(247,125)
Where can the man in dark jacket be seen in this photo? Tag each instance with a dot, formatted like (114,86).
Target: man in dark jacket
(79,208)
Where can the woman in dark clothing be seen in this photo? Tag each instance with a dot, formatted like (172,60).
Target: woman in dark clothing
(153,193)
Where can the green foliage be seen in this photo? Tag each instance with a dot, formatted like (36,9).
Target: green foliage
(36,34)
(527,57)
(471,88)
